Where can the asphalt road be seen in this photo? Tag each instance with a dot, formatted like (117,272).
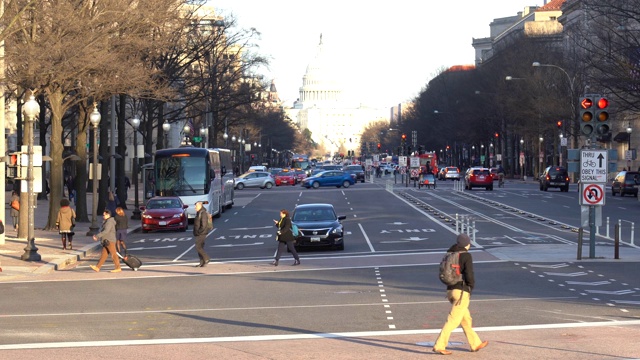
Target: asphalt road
(383,283)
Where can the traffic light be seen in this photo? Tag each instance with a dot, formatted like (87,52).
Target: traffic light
(602,117)
(409,148)
(497,135)
(14,165)
(404,139)
(379,146)
(559,124)
(587,110)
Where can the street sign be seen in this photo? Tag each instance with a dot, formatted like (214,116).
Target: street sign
(402,160)
(593,166)
(415,162)
(591,194)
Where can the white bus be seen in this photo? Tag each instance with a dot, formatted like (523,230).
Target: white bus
(195,174)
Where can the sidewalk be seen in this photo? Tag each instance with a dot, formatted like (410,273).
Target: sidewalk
(49,244)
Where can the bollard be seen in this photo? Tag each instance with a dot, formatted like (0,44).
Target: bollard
(468,226)
(580,235)
(473,230)
(457,224)
(633,225)
(618,230)
(607,226)
(616,243)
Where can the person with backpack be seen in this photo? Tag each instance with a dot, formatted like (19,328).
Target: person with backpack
(456,270)
(202,225)
(285,238)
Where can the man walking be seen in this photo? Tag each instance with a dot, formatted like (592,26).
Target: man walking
(459,296)
(200,231)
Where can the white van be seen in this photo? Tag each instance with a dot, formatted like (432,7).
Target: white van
(257,168)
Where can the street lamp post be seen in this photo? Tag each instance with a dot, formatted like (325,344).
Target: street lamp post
(94,118)
(187,131)
(166,127)
(203,136)
(629,153)
(540,140)
(522,158)
(135,123)
(31,110)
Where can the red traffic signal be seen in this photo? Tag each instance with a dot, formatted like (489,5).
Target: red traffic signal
(497,135)
(404,137)
(586,103)
(379,146)
(559,124)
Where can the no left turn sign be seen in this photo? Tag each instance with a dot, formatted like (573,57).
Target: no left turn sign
(592,194)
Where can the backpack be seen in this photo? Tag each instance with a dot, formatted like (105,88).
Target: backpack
(294,230)
(209,222)
(450,269)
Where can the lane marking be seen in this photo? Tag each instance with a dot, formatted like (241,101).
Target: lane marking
(366,238)
(354,334)
(184,253)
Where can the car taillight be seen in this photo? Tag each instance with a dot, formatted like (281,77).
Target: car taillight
(547,177)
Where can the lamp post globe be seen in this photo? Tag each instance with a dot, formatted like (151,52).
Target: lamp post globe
(135,123)
(166,127)
(31,109)
(94,118)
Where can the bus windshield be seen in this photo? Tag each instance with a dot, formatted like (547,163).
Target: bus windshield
(181,176)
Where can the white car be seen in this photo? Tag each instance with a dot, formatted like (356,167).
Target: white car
(259,179)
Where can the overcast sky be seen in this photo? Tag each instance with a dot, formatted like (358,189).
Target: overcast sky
(386,50)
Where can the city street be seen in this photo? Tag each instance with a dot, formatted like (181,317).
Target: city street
(380,295)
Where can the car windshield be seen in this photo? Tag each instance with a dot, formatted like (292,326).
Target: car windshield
(284,173)
(556,171)
(480,172)
(163,204)
(314,214)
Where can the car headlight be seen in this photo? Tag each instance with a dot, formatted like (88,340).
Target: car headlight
(337,231)
(177,216)
(145,216)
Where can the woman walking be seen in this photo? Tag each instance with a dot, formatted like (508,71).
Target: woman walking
(285,238)
(15,209)
(107,237)
(65,223)
(122,224)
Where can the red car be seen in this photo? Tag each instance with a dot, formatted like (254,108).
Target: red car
(478,177)
(164,213)
(300,175)
(286,178)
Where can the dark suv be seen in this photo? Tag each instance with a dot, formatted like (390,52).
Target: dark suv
(625,183)
(356,172)
(554,176)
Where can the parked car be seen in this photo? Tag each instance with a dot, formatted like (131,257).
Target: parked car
(450,173)
(356,172)
(164,213)
(319,225)
(554,176)
(626,182)
(335,178)
(259,179)
(478,177)
(286,177)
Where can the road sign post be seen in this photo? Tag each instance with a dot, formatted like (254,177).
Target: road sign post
(593,178)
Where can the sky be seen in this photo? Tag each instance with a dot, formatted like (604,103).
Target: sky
(385,51)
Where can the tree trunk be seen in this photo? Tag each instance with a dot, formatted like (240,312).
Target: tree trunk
(121,149)
(81,178)
(103,151)
(57,111)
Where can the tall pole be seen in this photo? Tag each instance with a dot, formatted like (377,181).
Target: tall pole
(112,143)
(135,122)
(31,110)
(94,117)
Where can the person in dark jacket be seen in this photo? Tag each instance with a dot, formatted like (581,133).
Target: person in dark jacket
(122,225)
(285,238)
(200,232)
(459,296)
(107,237)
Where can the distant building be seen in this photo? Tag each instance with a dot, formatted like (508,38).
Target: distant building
(334,124)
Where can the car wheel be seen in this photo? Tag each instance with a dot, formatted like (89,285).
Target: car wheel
(340,247)
(184,229)
(566,188)
(316,185)
(362,181)
(545,188)
(240,186)
(541,187)
(613,193)
(490,188)
(268,185)
(145,231)
(346,184)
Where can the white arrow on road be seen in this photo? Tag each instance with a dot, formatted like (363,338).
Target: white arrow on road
(594,283)
(234,245)
(414,238)
(397,223)
(619,292)
(255,228)
(153,248)
(554,266)
(581,273)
